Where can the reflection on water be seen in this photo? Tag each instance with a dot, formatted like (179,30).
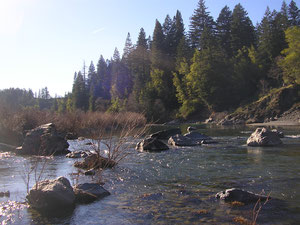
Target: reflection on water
(175,186)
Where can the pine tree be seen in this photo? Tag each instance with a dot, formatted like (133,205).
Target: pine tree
(179,28)
(223,29)
(199,21)
(120,78)
(79,93)
(140,72)
(293,14)
(183,53)
(91,79)
(158,47)
(91,85)
(242,30)
(142,41)
(283,16)
(102,88)
(128,48)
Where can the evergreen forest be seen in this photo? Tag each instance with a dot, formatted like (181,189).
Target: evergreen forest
(187,72)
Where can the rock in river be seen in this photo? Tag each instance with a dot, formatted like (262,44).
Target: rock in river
(151,144)
(52,195)
(89,192)
(239,195)
(44,140)
(95,161)
(165,134)
(190,139)
(264,137)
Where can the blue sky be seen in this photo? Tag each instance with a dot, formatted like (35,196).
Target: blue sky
(43,42)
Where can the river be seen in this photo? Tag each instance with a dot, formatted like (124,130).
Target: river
(176,186)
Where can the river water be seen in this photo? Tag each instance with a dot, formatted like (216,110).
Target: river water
(176,186)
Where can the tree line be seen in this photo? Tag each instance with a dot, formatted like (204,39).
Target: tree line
(213,65)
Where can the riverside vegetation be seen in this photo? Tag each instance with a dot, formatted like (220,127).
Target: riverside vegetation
(216,65)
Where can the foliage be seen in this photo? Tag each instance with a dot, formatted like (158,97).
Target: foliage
(213,66)
(290,64)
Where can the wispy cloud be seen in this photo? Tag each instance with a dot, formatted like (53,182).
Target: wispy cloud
(98,30)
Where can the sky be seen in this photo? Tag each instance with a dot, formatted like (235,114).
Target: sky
(43,42)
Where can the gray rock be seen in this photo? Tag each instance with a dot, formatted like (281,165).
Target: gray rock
(239,195)
(52,195)
(190,139)
(151,144)
(165,134)
(44,140)
(264,137)
(89,192)
(180,140)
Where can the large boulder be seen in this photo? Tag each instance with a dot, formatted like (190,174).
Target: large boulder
(89,192)
(239,195)
(264,137)
(95,161)
(52,195)
(151,144)
(190,139)
(165,134)
(44,140)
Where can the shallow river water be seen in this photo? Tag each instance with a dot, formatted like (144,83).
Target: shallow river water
(176,186)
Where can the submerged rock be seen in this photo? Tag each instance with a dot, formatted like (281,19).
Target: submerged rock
(44,140)
(264,137)
(151,144)
(190,139)
(89,192)
(52,195)
(239,195)
(165,134)
(95,161)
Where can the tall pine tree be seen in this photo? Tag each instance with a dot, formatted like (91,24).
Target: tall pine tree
(242,30)
(199,21)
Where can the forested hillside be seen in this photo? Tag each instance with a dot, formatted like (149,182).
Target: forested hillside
(189,72)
